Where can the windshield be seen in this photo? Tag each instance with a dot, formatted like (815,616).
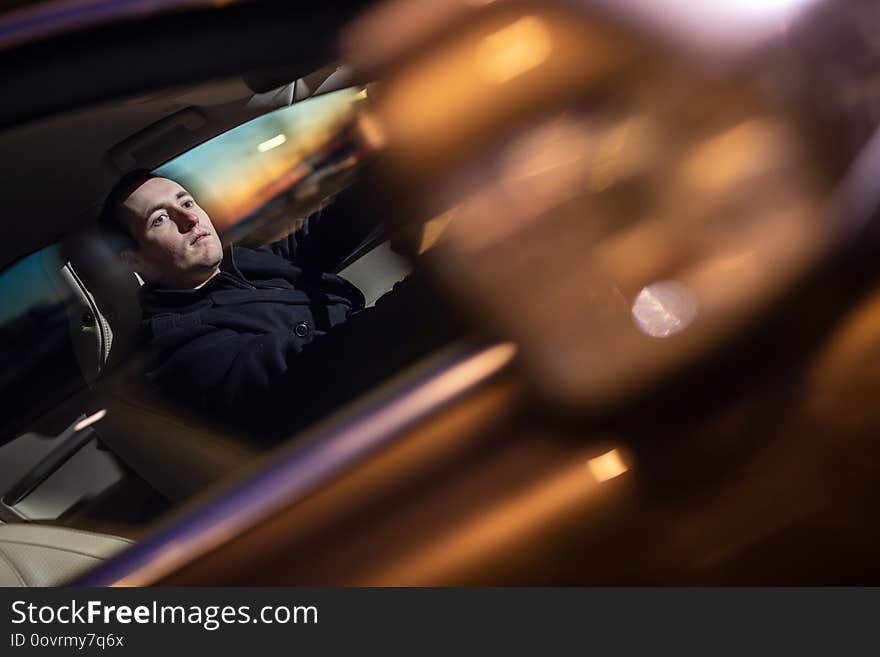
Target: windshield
(239,174)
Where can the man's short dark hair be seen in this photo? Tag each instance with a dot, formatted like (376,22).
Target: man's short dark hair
(111,223)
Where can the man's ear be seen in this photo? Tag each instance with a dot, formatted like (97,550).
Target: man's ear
(130,259)
(133,261)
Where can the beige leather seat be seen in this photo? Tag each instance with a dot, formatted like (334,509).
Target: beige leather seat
(40,555)
(178,456)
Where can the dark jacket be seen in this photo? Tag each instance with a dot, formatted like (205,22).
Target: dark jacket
(233,348)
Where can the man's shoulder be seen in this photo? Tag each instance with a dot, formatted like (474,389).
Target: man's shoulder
(244,256)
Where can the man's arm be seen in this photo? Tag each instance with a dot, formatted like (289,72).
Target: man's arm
(328,236)
(270,385)
(229,376)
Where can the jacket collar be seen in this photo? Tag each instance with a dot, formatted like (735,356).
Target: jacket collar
(155,300)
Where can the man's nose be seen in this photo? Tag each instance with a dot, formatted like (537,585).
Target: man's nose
(186,221)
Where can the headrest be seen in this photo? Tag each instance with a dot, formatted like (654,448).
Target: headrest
(105,317)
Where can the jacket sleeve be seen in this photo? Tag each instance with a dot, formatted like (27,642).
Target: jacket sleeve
(226,375)
(328,236)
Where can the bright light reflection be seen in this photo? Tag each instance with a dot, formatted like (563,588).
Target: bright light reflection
(90,420)
(664,308)
(269,144)
(515,49)
(717,24)
(608,466)
(771,9)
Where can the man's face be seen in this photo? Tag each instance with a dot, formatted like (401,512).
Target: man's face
(177,244)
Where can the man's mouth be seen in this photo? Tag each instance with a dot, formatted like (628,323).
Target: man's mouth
(199,237)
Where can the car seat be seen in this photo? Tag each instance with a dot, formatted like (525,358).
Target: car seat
(40,555)
(177,455)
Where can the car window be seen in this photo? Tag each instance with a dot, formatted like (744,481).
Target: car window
(39,366)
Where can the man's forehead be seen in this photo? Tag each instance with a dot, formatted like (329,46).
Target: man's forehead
(150,192)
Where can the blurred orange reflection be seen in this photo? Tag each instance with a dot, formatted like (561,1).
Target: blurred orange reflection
(567,489)
(608,466)
(513,50)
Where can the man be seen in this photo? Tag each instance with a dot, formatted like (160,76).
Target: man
(268,339)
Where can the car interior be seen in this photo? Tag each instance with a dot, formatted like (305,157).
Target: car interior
(132,459)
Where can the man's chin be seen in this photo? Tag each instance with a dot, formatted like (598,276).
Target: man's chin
(207,255)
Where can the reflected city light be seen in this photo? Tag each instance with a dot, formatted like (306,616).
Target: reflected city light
(269,144)
(514,50)
(607,466)
(664,308)
(90,420)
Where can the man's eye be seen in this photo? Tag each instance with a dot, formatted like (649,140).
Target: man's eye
(158,220)
(188,204)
